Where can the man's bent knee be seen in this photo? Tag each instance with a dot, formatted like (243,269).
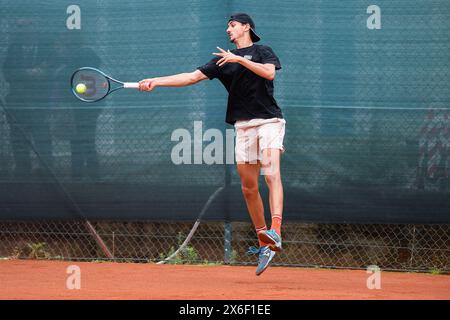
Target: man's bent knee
(272,179)
(250,192)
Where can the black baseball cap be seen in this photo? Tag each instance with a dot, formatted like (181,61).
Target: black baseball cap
(245,18)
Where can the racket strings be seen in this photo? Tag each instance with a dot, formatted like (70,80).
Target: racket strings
(97,86)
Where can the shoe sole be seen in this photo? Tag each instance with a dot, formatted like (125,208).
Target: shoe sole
(266,239)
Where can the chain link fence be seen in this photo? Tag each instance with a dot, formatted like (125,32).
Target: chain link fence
(409,151)
(391,247)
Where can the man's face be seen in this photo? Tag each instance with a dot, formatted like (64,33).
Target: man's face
(236,30)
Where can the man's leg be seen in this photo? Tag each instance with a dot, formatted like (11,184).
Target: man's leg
(271,166)
(271,169)
(248,166)
(249,174)
(271,137)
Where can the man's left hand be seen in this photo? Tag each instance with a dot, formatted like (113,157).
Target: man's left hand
(227,57)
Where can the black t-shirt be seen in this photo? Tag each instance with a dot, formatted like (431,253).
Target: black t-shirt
(250,96)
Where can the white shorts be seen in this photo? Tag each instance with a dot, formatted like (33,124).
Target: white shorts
(253,136)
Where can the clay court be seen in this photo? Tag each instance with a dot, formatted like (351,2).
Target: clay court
(30,279)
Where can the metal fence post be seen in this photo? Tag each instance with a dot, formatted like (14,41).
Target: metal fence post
(227,243)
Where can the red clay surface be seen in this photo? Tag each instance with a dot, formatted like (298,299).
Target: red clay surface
(21,279)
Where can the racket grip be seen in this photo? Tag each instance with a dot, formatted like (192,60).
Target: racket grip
(133,85)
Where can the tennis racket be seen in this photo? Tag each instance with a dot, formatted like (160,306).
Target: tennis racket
(91,85)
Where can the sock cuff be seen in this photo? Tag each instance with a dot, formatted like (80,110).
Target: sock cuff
(264,228)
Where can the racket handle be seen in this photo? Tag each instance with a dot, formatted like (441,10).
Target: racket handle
(133,85)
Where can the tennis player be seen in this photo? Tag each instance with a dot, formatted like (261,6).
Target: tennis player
(247,73)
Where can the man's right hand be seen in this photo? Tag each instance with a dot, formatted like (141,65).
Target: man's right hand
(147,84)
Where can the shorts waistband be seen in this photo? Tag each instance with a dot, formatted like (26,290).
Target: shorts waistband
(241,124)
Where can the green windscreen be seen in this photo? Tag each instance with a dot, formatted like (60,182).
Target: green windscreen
(364,88)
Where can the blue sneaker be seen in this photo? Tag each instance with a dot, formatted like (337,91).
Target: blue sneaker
(265,255)
(272,238)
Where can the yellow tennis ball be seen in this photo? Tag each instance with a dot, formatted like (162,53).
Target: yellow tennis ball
(81,88)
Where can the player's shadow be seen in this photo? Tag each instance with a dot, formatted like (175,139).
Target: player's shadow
(27,70)
(74,120)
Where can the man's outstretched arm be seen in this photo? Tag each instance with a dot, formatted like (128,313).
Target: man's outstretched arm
(177,80)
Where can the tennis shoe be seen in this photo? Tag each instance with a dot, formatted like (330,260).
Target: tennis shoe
(272,238)
(265,255)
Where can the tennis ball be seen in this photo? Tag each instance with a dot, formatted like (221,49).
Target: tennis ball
(81,88)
